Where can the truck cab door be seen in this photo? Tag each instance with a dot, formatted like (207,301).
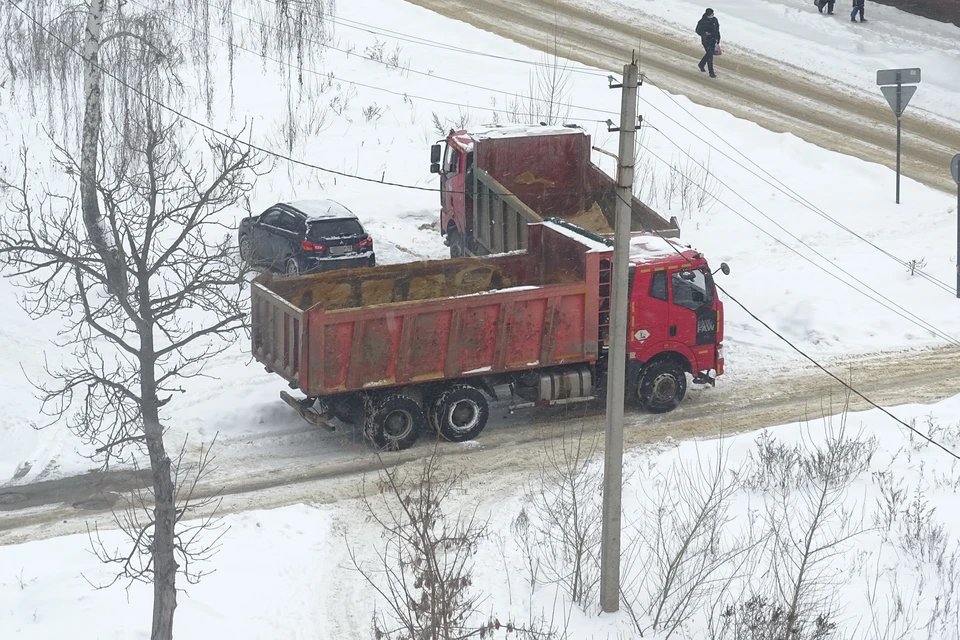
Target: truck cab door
(649,314)
(453,185)
(693,314)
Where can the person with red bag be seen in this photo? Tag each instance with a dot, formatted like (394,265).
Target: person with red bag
(709,31)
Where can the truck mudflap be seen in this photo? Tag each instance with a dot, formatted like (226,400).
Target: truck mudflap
(307,412)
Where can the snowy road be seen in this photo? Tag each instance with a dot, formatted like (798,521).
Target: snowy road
(311,465)
(836,115)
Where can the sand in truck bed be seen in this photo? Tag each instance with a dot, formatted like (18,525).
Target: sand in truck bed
(403,283)
(592,220)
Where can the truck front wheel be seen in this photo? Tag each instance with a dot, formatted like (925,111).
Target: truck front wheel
(661,386)
(460,413)
(396,423)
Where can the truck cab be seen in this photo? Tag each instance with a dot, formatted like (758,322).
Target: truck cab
(452,160)
(675,321)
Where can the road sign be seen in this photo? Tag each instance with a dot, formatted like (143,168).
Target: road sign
(898,104)
(898,76)
(955,168)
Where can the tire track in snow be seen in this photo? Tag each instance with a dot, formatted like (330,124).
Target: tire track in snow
(327,468)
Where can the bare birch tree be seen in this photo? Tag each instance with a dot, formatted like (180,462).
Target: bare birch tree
(186,302)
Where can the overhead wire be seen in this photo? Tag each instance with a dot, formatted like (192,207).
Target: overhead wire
(219,133)
(403,37)
(779,185)
(772,181)
(227,136)
(813,360)
(398,67)
(917,320)
(403,94)
(876,296)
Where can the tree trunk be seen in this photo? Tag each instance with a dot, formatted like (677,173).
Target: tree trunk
(164,562)
(165,520)
(108,250)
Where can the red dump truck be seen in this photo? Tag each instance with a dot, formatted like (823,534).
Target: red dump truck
(497,180)
(399,349)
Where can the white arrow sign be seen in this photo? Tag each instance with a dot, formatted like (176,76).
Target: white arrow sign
(642,335)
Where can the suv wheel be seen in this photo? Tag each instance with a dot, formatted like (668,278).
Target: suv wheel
(246,253)
(291,267)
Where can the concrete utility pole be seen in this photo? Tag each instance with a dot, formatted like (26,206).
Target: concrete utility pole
(616,369)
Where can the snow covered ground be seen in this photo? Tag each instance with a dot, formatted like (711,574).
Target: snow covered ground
(289,572)
(752,225)
(831,47)
(750,222)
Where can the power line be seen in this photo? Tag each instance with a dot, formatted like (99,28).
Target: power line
(843,382)
(402,94)
(780,186)
(230,137)
(207,127)
(360,26)
(815,362)
(390,65)
(919,321)
(886,302)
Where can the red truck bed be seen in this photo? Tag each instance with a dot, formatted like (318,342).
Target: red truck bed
(400,324)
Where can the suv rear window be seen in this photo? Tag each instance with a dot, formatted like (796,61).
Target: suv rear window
(322,229)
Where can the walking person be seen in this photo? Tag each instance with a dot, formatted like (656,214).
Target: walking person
(826,3)
(709,31)
(857,6)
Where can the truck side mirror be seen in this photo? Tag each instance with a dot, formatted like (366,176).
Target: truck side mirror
(435,167)
(435,155)
(725,268)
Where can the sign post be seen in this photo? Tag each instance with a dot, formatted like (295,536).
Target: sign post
(891,83)
(955,170)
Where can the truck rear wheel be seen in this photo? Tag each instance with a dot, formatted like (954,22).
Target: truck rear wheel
(661,386)
(457,243)
(396,422)
(460,413)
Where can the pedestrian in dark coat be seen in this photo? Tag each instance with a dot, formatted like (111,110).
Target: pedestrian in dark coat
(709,31)
(826,3)
(857,7)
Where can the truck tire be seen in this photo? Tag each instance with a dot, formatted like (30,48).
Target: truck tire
(460,413)
(457,245)
(661,386)
(394,423)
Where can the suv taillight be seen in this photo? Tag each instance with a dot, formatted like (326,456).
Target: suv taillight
(311,246)
(365,244)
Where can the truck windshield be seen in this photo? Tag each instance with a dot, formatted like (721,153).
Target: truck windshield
(336,228)
(695,293)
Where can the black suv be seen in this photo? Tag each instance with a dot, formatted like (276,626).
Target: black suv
(304,237)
